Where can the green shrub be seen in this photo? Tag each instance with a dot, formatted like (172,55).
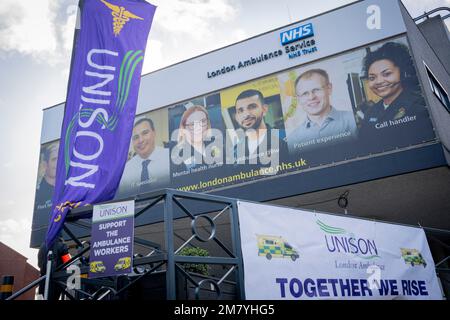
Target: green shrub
(196,252)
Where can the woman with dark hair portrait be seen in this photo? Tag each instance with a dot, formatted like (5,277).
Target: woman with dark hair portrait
(391,76)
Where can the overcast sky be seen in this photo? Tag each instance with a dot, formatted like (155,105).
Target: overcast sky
(35,47)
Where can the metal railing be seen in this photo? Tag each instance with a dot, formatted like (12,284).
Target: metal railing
(169,206)
(427,14)
(172,205)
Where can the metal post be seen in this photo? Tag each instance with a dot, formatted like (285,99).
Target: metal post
(48,273)
(168,226)
(6,287)
(237,248)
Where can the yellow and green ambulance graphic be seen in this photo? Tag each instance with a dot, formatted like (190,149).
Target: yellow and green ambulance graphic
(413,257)
(97,267)
(123,263)
(275,246)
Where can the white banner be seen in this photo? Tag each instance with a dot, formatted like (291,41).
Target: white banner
(296,254)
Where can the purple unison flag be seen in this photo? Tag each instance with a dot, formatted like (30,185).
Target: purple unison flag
(101,104)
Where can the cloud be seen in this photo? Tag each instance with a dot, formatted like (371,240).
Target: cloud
(7,165)
(67,29)
(44,30)
(34,28)
(27,27)
(186,28)
(11,225)
(15,234)
(194,18)
(157,60)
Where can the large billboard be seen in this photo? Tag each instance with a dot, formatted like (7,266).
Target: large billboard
(364,102)
(360,103)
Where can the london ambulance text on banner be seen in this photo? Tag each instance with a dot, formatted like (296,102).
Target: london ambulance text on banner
(101,104)
(112,239)
(296,254)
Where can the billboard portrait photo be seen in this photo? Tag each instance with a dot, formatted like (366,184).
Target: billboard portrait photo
(147,167)
(196,130)
(254,120)
(44,189)
(393,110)
(366,101)
(320,113)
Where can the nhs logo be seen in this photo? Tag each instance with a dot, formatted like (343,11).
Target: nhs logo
(298,33)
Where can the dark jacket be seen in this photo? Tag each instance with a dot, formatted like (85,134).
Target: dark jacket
(43,204)
(59,249)
(197,159)
(405,122)
(282,147)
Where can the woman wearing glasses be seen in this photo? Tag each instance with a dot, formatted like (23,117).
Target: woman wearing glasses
(194,136)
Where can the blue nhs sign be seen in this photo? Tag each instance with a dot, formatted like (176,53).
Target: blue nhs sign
(298,33)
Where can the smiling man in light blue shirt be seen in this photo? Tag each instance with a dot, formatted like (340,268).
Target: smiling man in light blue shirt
(323,123)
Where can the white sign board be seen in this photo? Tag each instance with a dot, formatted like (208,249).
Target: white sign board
(296,254)
(112,239)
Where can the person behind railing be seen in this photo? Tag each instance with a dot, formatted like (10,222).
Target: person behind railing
(60,256)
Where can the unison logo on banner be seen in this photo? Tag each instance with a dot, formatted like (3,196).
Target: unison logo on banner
(302,269)
(88,115)
(101,104)
(340,241)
